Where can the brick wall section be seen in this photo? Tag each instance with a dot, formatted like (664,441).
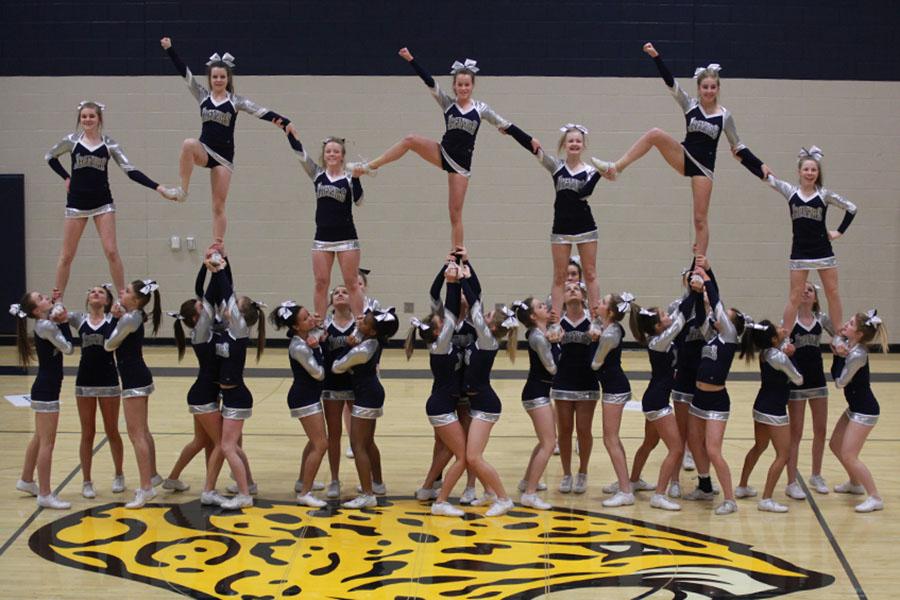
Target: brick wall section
(644,218)
(752,39)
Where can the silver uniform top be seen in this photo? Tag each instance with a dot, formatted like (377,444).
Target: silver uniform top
(610,338)
(67,144)
(50,331)
(443,344)
(300,352)
(779,361)
(128,324)
(538,342)
(789,189)
(231,313)
(200,93)
(856,360)
(487,113)
(485,339)
(202,332)
(359,354)
(662,341)
(727,332)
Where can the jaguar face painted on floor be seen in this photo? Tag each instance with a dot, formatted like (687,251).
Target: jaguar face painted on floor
(398,550)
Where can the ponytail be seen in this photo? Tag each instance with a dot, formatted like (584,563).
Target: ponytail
(24,344)
(179,339)
(756,337)
(642,323)
(145,290)
(872,329)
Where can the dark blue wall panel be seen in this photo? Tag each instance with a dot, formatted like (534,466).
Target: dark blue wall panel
(753,38)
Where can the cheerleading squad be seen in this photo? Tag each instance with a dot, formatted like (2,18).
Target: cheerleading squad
(574,339)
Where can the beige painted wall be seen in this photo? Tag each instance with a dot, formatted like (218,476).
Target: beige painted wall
(644,218)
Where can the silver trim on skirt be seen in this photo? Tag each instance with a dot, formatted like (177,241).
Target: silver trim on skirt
(534,403)
(867,420)
(574,396)
(77,213)
(442,420)
(363,412)
(616,398)
(766,419)
(236,414)
(813,264)
(98,392)
(338,395)
(43,406)
(682,397)
(709,415)
(484,416)
(218,158)
(341,246)
(202,409)
(305,411)
(820,392)
(653,415)
(138,392)
(576,238)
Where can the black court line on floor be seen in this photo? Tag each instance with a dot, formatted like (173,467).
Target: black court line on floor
(283,373)
(40,509)
(857,586)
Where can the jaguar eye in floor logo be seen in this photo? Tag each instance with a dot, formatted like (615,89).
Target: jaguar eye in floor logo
(398,550)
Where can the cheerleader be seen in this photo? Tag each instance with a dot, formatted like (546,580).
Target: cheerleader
(806,355)
(97,384)
(535,316)
(484,403)
(219,107)
(851,373)
(304,397)
(87,190)
(239,314)
(711,405)
(616,389)
(695,157)
(337,389)
(437,332)
(462,117)
(811,247)
(336,193)
(770,417)
(661,332)
(361,362)
(52,339)
(127,340)
(575,389)
(203,398)
(573,222)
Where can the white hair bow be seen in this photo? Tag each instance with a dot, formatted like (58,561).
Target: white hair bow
(510,321)
(648,313)
(872,318)
(576,258)
(175,315)
(419,324)
(16,311)
(714,67)
(814,152)
(469,65)
(150,286)
(84,103)
(570,126)
(625,304)
(284,309)
(226,58)
(387,315)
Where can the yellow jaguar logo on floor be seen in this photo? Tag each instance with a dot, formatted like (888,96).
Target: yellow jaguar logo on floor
(398,550)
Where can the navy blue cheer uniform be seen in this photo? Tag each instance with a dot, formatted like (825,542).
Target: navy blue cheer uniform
(608,365)
(704,131)
(335,197)
(811,248)
(441,404)
(89,194)
(776,374)
(219,117)
(851,373)
(304,397)
(127,340)
(97,375)
(574,379)
(542,357)
(361,363)
(807,357)
(51,341)
(661,349)
(483,399)
(715,363)
(337,386)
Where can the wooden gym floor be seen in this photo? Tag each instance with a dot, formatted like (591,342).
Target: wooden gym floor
(821,549)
